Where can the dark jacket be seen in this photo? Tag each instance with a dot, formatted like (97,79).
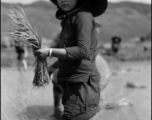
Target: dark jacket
(78,74)
(79,38)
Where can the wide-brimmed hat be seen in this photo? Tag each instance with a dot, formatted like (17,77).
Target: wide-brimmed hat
(96,7)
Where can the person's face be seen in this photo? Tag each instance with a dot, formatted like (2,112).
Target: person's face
(67,5)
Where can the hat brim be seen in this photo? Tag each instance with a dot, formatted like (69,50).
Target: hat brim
(54,1)
(96,7)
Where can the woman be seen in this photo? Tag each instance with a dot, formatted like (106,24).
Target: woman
(102,67)
(78,75)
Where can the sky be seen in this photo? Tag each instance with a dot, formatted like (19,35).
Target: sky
(30,1)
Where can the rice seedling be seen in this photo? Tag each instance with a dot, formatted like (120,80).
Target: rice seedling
(26,34)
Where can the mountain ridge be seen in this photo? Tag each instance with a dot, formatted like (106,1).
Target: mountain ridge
(141,7)
(125,19)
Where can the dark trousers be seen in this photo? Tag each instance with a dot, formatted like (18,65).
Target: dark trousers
(78,98)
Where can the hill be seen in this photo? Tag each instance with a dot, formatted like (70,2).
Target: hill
(125,19)
(140,7)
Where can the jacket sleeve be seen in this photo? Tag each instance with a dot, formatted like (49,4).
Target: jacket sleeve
(83,27)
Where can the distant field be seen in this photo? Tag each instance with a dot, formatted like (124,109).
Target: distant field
(128,52)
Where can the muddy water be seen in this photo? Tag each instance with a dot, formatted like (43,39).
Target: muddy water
(21,102)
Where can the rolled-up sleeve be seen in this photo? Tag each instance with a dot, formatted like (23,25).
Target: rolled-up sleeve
(83,27)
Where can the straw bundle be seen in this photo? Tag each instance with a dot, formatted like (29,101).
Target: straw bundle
(28,35)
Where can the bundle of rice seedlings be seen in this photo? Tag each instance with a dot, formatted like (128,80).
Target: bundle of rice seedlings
(23,30)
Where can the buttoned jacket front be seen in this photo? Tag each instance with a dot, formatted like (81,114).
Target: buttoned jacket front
(79,38)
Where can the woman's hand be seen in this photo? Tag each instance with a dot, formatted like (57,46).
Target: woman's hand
(43,53)
(51,69)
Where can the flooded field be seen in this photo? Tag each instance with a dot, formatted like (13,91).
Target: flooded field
(127,96)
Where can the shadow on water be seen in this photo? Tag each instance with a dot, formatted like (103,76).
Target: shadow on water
(37,113)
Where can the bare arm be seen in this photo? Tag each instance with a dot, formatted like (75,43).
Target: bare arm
(52,52)
(59,53)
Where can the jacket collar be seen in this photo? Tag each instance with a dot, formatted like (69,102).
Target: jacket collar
(68,13)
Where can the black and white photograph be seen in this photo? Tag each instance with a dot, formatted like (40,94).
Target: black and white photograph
(75,59)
